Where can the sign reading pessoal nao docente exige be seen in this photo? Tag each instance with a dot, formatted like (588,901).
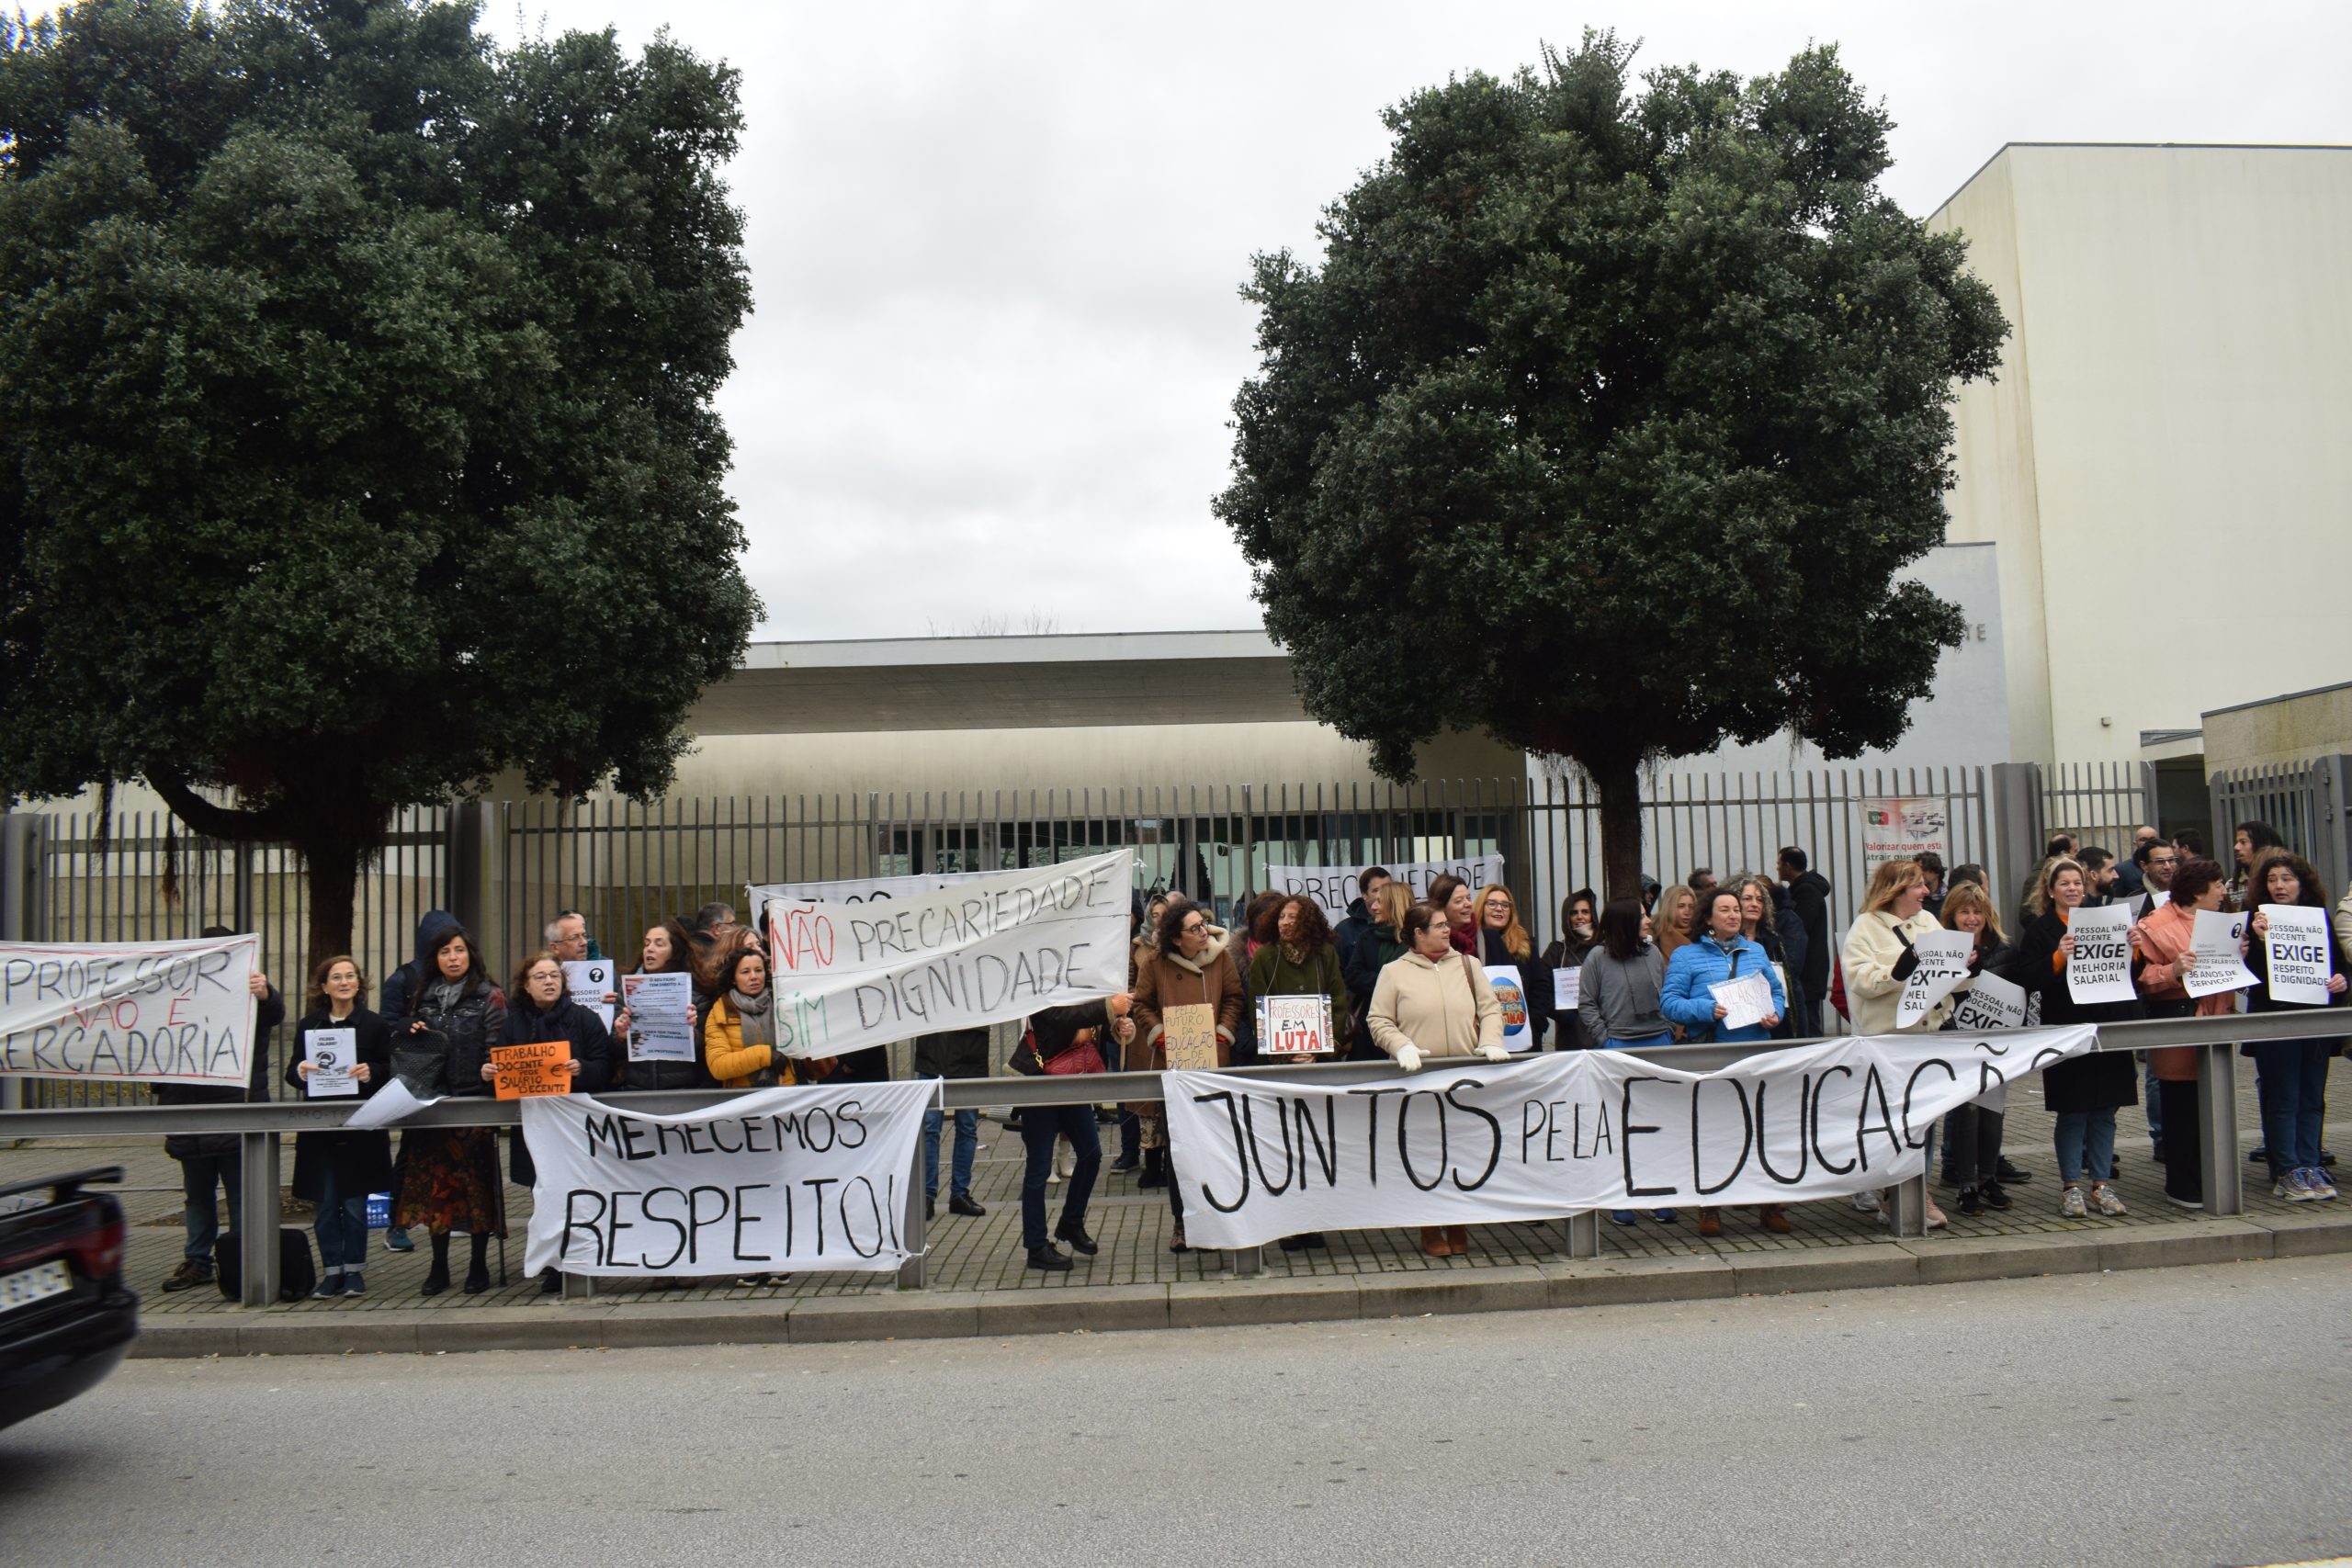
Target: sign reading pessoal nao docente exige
(986,950)
(154,1012)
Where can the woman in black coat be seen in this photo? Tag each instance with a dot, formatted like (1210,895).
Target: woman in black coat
(336,1171)
(1579,935)
(449,1178)
(669,950)
(542,1010)
(2083,1092)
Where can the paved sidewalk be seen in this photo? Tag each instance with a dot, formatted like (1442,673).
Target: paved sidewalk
(978,1281)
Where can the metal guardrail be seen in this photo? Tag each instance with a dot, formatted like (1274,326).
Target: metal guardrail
(261,1126)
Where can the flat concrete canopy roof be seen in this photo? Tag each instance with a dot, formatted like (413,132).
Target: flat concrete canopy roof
(1002,683)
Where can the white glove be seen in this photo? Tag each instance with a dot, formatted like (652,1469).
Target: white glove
(1409,1059)
(1495,1053)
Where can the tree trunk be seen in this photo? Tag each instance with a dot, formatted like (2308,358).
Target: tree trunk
(332,872)
(1618,780)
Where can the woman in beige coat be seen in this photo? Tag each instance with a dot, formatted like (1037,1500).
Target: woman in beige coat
(1435,1002)
(1878,957)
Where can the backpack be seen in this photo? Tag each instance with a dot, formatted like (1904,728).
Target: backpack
(297,1275)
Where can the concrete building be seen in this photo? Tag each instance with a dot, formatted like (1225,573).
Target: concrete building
(2168,450)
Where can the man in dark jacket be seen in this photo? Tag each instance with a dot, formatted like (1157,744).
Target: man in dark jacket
(1359,917)
(212,1159)
(1809,894)
(951,1053)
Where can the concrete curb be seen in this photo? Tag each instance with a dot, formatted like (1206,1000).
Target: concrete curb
(962,1315)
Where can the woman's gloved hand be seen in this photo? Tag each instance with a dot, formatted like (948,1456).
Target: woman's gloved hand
(1409,1059)
(1495,1053)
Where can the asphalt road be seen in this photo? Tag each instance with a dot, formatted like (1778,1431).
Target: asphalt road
(2190,1416)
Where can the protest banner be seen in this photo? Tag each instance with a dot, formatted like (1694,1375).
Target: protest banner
(660,1016)
(1746,1001)
(1294,1026)
(588,981)
(1503,980)
(154,1012)
(1901,828)
(758,895)
(537,1068)
(2100,970)
(1943,964)
(332,1052)
(2217,958)
(1334,887)
(778,1179)
(989,949)
(1190,1040)
(1567,988)
(1990,1002)
(2299,947)
(1566,1132)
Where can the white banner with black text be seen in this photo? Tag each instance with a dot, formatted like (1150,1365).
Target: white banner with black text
(773,1181)
(154,1012)
(1559,1133)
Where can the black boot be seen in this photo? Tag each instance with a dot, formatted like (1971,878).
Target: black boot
(1155,1169)
(478,1271)
(436,1279)
(1049,1258)
(1074,1232)
(550,1281)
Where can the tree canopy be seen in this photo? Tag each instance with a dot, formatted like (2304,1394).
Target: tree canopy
(356,425)
(1607,421)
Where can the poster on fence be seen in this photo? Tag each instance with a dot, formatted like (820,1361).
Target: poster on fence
(1511,994)
(1334,887)
(2100,970)
(990,948)
(151,1012)
(1561,1132)
(2299,960)
(1943,964)
(1902,828)
(777,1180)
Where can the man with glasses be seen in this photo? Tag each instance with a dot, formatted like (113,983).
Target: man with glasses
(567,937)
(2155,861)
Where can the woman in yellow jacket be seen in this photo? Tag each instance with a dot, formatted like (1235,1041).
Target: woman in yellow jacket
(739,1043)
(1435,1002)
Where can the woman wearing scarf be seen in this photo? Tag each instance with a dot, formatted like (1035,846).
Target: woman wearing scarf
(450,1175)
(542,1010)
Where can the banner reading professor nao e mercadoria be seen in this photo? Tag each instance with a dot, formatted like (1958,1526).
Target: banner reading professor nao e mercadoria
(987,949)
(154,1012)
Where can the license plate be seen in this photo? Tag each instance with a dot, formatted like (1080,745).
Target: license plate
(36,1283)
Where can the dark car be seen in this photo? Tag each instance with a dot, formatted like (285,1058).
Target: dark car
(65,1319)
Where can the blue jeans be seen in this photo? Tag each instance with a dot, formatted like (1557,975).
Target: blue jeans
(968,1143)
(2292,1089)
(2155,1105)
(198,1174)
(2085,1141)
(1040,1125)
(342,1225)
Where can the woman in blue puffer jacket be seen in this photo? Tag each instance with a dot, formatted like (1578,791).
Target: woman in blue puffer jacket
(1720,953)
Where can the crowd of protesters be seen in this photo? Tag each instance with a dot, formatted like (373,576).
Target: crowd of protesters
(1405,978)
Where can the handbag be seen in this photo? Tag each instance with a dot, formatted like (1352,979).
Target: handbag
(1024,1059)
(421,1062)
(1084,1057)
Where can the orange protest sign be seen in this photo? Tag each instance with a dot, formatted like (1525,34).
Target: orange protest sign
(525,1070)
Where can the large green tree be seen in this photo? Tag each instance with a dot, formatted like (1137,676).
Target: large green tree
(1608,422)
(356,438)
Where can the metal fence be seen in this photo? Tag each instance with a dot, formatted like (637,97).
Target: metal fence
(2305,801)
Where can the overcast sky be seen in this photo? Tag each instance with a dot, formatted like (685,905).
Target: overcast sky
(995,247)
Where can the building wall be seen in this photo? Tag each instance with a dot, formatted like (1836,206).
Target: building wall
(2175,396)
(2284,729)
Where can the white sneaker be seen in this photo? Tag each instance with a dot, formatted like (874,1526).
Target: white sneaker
(2315,1178)
(2070,1204)
(2109,1203)
(2295,1189)
(1865,1202)
(1065,1160)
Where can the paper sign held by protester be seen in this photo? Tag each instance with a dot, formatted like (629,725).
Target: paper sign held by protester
(388,1105)
(1991,1003)
(2298,944)
(1191,1040)
(537,1068)
(332,1052)
(1567,989)
(1294,1026)
(1503,980)
(661,1017)
(590,981)
(1943,964)
(2158,898)
(155,1012)
(1745,1001)
(2219,965)
(2100,970)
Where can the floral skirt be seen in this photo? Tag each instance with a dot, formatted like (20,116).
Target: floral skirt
(449,1181)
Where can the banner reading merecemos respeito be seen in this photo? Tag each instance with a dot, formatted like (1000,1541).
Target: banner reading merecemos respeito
(983,950)
(154,1012)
